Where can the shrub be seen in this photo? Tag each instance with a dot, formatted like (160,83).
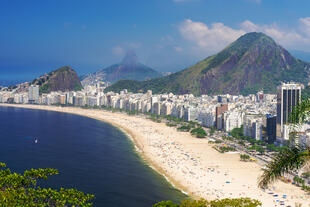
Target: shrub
(199,132)
(244,157)
(227,202)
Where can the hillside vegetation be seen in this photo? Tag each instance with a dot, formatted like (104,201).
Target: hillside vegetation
(253,62)
(61,79)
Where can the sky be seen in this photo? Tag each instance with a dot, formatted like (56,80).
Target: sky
(38,36)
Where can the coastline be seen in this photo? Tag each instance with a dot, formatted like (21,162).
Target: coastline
(188,163)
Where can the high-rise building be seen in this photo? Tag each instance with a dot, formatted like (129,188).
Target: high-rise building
(288,96)
(219,110)
(271,128)
(33,94)
(257,130)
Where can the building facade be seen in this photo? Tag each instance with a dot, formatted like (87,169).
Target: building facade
(288,96)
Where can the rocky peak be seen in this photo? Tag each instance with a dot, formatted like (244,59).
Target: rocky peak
(130,58)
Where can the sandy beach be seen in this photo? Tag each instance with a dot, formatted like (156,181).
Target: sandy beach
(191,164)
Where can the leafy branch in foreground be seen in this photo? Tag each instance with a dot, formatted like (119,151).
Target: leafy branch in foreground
(22,190)
(290,158)
(300,113)
(286,161)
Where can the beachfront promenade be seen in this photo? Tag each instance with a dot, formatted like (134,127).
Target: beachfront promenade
(191,164)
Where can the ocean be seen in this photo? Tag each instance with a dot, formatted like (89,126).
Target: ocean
(91,156)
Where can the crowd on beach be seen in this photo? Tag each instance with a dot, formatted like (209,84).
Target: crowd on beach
(209,175)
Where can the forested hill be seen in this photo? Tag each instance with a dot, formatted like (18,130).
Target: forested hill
(253,62)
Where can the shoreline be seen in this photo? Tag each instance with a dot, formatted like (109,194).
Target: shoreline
(185,161)
(138,146)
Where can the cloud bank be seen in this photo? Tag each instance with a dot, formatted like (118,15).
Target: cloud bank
(216,36)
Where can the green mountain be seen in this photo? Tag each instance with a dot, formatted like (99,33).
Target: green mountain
(251,63)
(62,79)
(129,68)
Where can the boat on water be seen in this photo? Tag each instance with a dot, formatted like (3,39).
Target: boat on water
(36,140)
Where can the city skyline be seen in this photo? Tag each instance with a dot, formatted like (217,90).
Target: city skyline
(155,103)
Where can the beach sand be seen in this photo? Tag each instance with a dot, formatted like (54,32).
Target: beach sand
(189,163)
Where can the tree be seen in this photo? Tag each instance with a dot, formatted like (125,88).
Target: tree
(237,132)
(212,131)
(306,175)
(291,158)
(22,190)
(227,202)
(199,132)
(244,157)
(166,204)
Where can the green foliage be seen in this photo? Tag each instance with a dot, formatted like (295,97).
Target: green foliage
(223,149)
(78,87)
(61,69)
(305,188)
(212,131)
(306,93)
(251,63)
(300,113)
(21,190)
(44,88)
(184,128)
(244,157)
(274,148)
(227,202)
(241,143)
(132,113)
(59,79)
(171,124)
(166,204)
(257,148)
(230,138)
(218,142)
(292,157)
(284,162)
(299,180)
(237,132)
(306,174)
(199,132)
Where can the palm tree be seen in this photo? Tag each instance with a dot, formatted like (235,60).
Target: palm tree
(291,158)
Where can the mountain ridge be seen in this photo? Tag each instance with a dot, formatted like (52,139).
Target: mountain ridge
(62,79)
(129,68)
(251,63)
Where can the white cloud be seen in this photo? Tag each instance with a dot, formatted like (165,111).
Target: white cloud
(305,25)
(285,37)
(249,26)
(211,38)
(118,51)
(215,37)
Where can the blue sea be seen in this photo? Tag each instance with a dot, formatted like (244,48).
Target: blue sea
(91,156)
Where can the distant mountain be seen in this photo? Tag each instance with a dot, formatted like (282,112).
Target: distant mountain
(129,68)
(62,79)
(252,63)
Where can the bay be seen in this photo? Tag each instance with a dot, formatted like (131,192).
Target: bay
(91,156)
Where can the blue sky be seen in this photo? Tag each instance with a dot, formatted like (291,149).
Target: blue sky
(38,36)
